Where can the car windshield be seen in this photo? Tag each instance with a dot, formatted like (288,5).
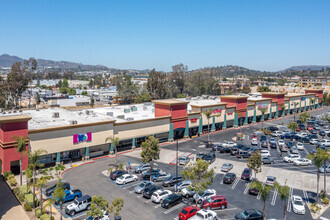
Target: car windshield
(76,202)
(122,177)
(169,178)
(185,212)
(245,214)
(200,215)
(270,179)
(142,184)
(209,200)
(298,202)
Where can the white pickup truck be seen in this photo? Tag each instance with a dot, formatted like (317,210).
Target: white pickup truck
(204,215)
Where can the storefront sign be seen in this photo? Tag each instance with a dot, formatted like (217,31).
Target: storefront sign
(78,138)
(303,98)
(216,112)
(229,113)
(193,120)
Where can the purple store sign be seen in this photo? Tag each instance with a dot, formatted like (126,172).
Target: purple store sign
(78,138)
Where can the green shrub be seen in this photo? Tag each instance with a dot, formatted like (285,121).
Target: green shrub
(27,207)
(57,168)
(62,167)
(10,176)
(29,199)
(44,217)
(23,190)
(46,169)
(20,197)
(12,181)
(6,174)
(315,208)
(37,212)
(16,191)
(323,194)
(325,200)
(51,168)
(43,172)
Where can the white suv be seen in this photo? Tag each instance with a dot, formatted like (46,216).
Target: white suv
(325,143)
(291,158)
(80,204)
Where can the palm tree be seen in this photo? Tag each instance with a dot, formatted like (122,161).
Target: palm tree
(59,194)
(325,157)
(264,191)
(34,158)
(208,116)
(284,193)
(21,148)
(318,161)
(312,101)
(28,175)
(295,104)
(115,143)
(40,183)
(49,203)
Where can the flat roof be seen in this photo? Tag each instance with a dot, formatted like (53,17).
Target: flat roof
(273,93)
(289,95)
(258,99)
(170,101)
(15,117)
(234,97)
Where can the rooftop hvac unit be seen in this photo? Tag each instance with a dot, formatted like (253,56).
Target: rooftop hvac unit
(134,109)
(87,112)
(4,113)
(9,112)
(73,122)
(130,119)
(145,108)
(127,110)
(20,110)
(14,111)
(121,116)
(56,115)
(110,114)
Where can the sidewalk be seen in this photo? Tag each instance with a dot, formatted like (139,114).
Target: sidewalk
(10,209)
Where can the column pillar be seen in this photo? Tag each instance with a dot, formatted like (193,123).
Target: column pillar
(186,131)
(235,120)
(200,127)
(246,120)
(262,117)
(283,110)
(299,106)
(213,124)
(294,109)
(270,112)
(224,126)
(87,153)
(310,104)
(133,143)
(254,119)
(171,133)
(305,106)
(276,113)
(58,157)
(289,111)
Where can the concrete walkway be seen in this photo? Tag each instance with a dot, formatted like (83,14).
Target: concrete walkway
(10,209)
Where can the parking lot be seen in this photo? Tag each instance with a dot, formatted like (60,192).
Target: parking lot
(90,180)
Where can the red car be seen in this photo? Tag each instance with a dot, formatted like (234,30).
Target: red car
(215,202)
(188,212)
(254,136)
(310,127)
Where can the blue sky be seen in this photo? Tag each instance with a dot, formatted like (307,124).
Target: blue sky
(263,35)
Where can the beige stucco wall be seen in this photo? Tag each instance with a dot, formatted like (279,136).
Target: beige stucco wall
(192,116)
(62,139)
(140,129)
(217,118)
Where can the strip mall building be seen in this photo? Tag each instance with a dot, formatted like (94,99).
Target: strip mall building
(73,134)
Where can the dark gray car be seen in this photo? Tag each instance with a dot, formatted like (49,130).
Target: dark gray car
(172,180)
(139,189)
(267,160)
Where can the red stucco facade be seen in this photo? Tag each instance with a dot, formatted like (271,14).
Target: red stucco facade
(318,93)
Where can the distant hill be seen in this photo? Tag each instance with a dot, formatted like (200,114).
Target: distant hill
(232,70)
(7,61)
(306,68)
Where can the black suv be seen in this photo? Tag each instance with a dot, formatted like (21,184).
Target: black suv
(172,180)
(271,128)
(234,150)
(210,158)
(148,191)
(49,191)
(118,173)
(200,156)
(171,200)
(229,178)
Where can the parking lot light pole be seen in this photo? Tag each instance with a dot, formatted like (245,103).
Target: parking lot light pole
(177,162)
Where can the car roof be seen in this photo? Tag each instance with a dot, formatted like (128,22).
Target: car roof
(82,198)
(296,198)
(218,197)
(126,174)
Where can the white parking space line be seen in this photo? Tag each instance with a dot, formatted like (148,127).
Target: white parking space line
(176,218)
(306,197)
(140,196)
(247,188)
(306,151)
(157,206)
(222,210)
(259,194)
(148,201)
(289,200)
(274,197)
(221,182)
(235,183)
(174,208)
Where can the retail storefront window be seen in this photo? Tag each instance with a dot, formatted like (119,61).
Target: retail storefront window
(162,137)
(124,145)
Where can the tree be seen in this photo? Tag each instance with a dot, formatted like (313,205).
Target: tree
(115,142)
(200,174)
(325,157)
(38,99)
(99,205)
(59,194)
(127,90)
(49,203)
(157,85)
(21,148)
(28,175)
(284,193)
(84,93)
(318,161)
(208,116)
(41,182)
(144,96)
(115,206)
(312,100)
(304,117)
(150,151)
(293,126)
(92,102)
(254,163)
(34,163)
(264,191)
(263,89)
(178,76)
(262,109)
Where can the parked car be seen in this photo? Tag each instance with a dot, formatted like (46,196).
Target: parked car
(267,160)
(290,144)
(160,195)
(272,140)
(200,156)
(280,143)
(294,150)
(264,144)
(322,133)
(302,127)
(270,180)
(226,167)
(171,200)
(325,142)
(246,174)
(286,136)
(79,204)
(310,127)
(142,167)
(205,195)
(273,145)
(243,154)
(298,205)
(126,178)
(209,145)
(311,136)
(215,202)
(265,153)
(254,142)
(116,174)
(70,195)
(171,180)
(317,127)
(205,215)
(209,158)
(315,141)
(313,131)
(139,189)
(49,191)
(181,185)
(229,178)
(187,192)
(229,144)
(188,212)
(300,146)
(277,133)
(302,162)
(148,191)
(184,160)
(250,214)
(146,174)
(327,168)
(160,176)
(290,158)
(263,138)
(272,128)
(222,149)
(253,191)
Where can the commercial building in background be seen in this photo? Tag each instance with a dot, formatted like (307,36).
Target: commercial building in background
(75,134)
(321,82)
